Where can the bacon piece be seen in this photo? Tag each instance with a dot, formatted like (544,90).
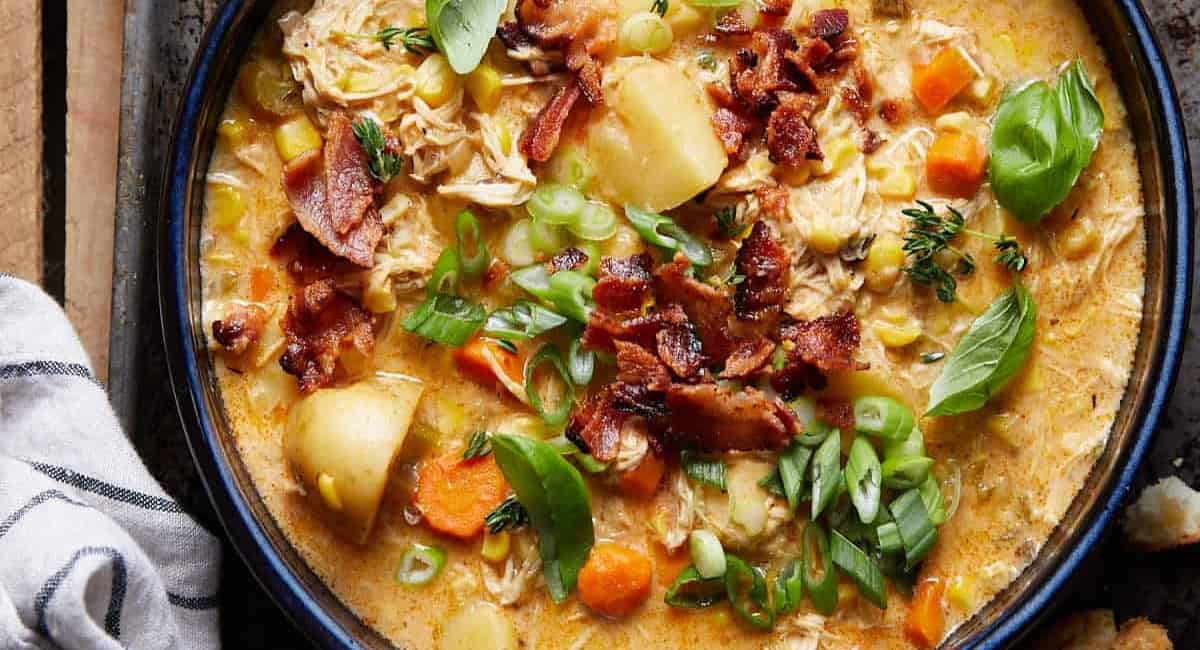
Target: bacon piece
(624,283)
(681,350)
(733,130)
(576,28)
(758,73)
(732,24)
(828,343)
(328,196)
(838,412)
(639,367)
(892,111)
(791,140)
(706,306)
(773,200)
(305,259)
(713,418)
(640,401)
(828,24)
(240,328)
(605,328)
(775,7)
(541,136)
(871,141)
(595,426)
(568,259)
(766,267)
(748,358)
(320,323)
(809,59)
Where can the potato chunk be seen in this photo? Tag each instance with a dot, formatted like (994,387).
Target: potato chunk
(341,442)
(654,144)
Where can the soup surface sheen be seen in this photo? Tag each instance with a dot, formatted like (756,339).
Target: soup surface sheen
(347,475)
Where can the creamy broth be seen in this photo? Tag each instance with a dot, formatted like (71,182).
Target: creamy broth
(1008,471)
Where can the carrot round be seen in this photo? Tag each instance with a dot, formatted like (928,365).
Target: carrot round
(943,79)
(925,624)
(472,359)
(642,481)
(614,580)
(455,495)
(956,164)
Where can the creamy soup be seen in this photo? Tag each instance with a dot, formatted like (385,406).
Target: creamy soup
(786,324)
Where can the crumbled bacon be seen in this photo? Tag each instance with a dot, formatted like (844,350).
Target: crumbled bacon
(828,24)
(640,401)
(838,412)
(680,349)
(791,140)
(758,73)
(732,24)
(624,283)
(773,200)
(775,7)
(706,306)
(638,366)
(605,327)
(305,259)
(765,267)
(827,343)
(871,141)
(581,32)
(568,259)
(892,111)
(714,418)
(733,130)
(541,136)
(240,328)
(595,426)
(748,358)
(809,58)
(320,323)
(330,199)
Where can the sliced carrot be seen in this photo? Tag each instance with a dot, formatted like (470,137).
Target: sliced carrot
(642,481)
(956,164)
(455,495)
(614,580)
(925,624)
(472,359)
(262,282)
(943,79)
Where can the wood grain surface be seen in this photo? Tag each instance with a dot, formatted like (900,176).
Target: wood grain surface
(20,139)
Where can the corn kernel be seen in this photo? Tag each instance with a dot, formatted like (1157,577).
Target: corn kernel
(1079,239)
(436,81)
(504,134)
(900,184)
(839,156)
(378,297)
(823,239)
(958,593)
(794,176)
(296,136)
(328,489)
(958,121)
(896,336)
(496,547)
(232,130)
(226,207)
(879,167)
(483,84)
(883,263)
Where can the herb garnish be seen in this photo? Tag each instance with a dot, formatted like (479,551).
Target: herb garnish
(660,7)
(417,40)
(509,514)
(707,61)
(381,162)
(932,236)
(727,220)
(932,357)
(479,445)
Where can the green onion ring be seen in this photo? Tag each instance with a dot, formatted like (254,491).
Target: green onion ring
(549,354)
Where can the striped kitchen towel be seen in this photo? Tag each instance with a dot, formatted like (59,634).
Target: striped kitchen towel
(93,553)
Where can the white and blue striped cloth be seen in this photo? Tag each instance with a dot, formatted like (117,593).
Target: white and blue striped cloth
(93,553)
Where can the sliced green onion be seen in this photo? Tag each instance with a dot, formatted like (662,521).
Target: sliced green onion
(889,538)
(746,588)
(709,471)
(570,166)
(935,502)
(472,252)
(571,450)
(917,531)
(517,248)
(883,417)
(864,477)
(597,222)
(819,577)
(447,272)
(646,33)
(448,320)
(571,293)
(904,472)
(793,462)
(555,205)
(708,556)
(789,587)
(522,321)
(913,445)
(773,484)
(667,235)
(535,279)
(815,432)
(420,564)
(805,409)
(549,354)
(547,238)
(690,591)
(860,567)
(825,474)
(581,364)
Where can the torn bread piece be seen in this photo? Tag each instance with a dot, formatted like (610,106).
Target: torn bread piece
(1141,634)
(1166,515)
(1093,629)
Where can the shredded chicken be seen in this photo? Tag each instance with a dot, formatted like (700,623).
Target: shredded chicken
(509,582)
(677,523)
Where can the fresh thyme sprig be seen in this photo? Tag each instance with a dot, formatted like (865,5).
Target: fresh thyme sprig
(381,162)
(479,445)
(931,236)
(727,220)
(417,40)
(509,514)
(660,7)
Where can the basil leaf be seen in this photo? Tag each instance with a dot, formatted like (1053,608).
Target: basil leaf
(463,28)
(1042,140)
(987,357)
(554,494)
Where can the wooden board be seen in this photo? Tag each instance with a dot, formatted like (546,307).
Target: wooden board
(20,139)
(95,30)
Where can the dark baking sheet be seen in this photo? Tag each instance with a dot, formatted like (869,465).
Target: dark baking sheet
(160,38)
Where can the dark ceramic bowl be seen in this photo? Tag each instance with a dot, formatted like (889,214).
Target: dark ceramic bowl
(1159,133)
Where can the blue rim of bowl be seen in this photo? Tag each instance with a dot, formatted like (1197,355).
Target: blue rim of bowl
(247,533)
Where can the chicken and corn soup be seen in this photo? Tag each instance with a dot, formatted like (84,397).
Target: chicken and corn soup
(672,323)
